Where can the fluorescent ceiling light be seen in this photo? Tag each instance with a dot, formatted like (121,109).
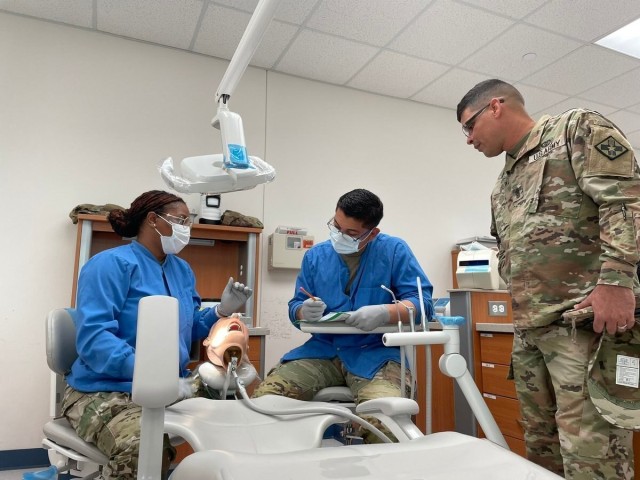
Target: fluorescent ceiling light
(625,40)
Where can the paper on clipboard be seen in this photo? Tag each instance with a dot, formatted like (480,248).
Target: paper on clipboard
(331,317)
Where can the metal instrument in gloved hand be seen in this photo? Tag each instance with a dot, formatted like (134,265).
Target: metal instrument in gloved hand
(233,298)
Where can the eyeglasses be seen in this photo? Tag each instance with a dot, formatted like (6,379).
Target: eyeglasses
(331,224)
(186,221)
(467,127)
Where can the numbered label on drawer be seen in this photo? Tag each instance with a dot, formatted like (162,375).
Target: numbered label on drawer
(497,309)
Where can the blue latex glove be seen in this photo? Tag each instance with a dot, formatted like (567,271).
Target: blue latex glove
(233,298)
(369,317)
(312,310)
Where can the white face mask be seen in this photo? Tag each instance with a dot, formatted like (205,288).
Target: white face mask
(177,241)
(342,245)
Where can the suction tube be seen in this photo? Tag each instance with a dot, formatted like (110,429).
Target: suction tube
(309,410)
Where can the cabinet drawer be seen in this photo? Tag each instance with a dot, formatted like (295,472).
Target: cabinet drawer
(494,380)
(254,352)
(516,445)
(506,411)
(496,347)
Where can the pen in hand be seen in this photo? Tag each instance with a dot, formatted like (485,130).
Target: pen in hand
(308,294)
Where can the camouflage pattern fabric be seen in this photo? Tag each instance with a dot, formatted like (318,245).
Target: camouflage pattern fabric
(110,421)
(563,430)
(565,212)
(614,377)
(92,209)
(237,219)
(302,379)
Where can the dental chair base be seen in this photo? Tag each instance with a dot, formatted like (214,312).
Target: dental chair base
(439,456)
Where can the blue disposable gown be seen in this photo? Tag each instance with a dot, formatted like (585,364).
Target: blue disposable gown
(110,286)
(385,261)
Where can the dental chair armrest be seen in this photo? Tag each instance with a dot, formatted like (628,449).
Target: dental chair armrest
(395,413)
(390,406)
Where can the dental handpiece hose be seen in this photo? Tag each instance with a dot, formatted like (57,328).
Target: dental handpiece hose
(342,412)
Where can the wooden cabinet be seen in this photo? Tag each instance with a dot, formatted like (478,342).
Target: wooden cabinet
(443,415)
(500,393)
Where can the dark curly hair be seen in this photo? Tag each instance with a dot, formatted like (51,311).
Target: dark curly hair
(127,222)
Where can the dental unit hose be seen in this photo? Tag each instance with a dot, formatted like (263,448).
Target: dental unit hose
(342,412)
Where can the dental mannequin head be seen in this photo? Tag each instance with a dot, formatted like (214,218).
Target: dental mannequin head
(229,337)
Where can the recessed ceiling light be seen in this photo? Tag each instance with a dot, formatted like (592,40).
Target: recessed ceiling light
(529,57)
(625,40)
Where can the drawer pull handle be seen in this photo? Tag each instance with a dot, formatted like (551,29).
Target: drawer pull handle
(488,395)
(488,365)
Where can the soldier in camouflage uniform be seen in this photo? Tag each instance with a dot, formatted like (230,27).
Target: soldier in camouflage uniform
(565,213)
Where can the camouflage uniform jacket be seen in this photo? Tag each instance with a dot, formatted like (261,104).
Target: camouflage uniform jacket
(565,212)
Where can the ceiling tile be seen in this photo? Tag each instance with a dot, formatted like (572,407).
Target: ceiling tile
(634,139)
(449,32)
(626,121)
(586,20)
(510,8)
(294,11)
(619,92)
(634,108)
(324,57)
(275,40)
(73,12)
(160,21)
(222,29)
(581,69)
(448,90)
(521,51)
(369,21)
(574,102)
(537,99)
(395,74)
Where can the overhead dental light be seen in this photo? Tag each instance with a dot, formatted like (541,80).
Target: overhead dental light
(233,169)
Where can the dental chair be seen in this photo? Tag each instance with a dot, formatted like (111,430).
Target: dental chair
(204,424)
(438,456)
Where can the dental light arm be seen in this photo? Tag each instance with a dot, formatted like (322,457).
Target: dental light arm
(234,169)
(264,12)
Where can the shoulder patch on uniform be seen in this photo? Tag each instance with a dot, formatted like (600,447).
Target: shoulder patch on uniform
(611,148)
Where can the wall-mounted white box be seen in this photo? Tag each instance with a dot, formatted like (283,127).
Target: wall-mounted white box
(286,250)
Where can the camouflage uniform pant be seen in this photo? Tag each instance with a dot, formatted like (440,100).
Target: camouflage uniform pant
(563,430)
(302,379)
(110,421)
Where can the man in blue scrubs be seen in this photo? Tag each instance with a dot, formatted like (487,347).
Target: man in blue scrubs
(345,274)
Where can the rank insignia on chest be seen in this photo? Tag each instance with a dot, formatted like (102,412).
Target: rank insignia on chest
(611,148)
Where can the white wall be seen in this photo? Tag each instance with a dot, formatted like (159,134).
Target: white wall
(86,117)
